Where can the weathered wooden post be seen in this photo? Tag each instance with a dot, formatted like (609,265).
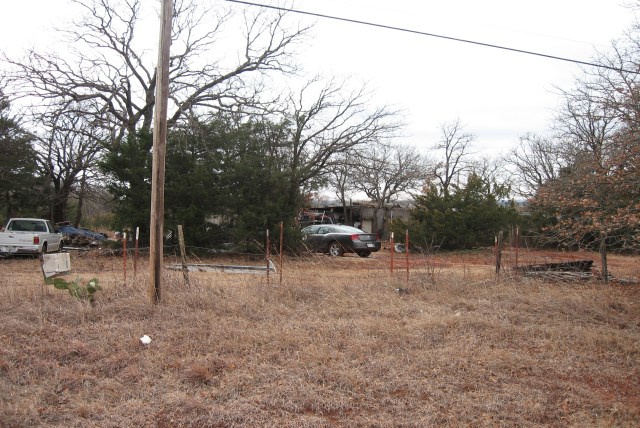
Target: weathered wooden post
(183,255)
(603,257)
(267,245)
(499,240)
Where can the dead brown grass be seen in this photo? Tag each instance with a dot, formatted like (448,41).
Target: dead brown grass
(333,346)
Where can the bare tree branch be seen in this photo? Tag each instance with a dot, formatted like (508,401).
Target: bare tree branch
(335,121)
(385,172)
(108,63)
(535,161)
(454,146)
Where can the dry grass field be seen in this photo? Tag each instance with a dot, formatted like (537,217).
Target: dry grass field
(333,344)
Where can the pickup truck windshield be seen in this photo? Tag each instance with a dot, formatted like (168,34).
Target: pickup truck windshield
(27,226)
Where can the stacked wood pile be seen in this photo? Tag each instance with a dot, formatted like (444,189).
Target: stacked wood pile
(560,271)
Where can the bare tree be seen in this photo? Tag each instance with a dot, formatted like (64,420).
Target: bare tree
(454,147)
(595,199)
(341,179)
(69,150)
(535,161)
(491,170)
(106,76)
(385,172)
(108,63)
(584,125)
(334,122)
(612,88)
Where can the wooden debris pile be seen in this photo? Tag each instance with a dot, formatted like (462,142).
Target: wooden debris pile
(560,271)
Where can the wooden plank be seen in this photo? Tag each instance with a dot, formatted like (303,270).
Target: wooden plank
(204,267)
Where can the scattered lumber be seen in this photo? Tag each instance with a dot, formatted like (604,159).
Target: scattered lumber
(202,267)
(559,275)
(572,266)
(559,271)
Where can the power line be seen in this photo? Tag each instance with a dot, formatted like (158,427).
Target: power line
(422,33)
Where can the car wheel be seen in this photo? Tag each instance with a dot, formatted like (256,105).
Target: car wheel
(60,246)
(364,253)
(336,249)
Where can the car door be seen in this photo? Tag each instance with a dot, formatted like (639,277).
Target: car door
(323,240)
(310,237)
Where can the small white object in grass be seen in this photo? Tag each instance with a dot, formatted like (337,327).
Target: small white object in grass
(145,340)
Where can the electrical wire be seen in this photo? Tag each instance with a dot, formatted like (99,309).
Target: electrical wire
(422,33)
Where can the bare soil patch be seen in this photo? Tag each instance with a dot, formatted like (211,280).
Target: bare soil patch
(334,345)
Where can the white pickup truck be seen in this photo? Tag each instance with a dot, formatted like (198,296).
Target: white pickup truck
(29,236)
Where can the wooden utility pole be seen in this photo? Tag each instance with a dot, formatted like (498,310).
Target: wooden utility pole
(159,152)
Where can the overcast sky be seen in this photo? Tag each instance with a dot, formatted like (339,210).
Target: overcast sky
(498,95)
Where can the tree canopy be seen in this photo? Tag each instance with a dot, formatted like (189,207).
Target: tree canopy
(586,184)
(468,216)
(20,187)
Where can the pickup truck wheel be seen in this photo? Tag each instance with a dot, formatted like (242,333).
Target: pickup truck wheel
(44,248)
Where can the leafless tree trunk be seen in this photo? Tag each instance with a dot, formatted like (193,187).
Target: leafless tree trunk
(82,194)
